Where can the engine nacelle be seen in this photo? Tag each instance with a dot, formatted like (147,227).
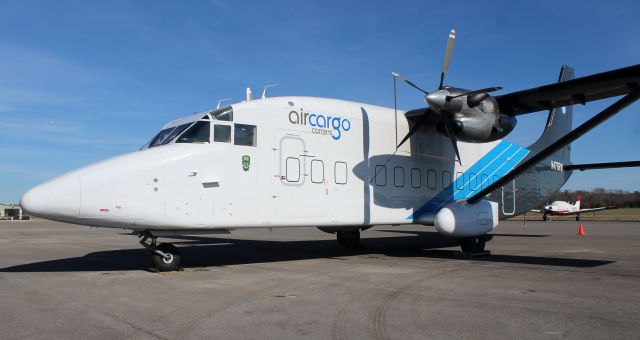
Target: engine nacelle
(481,123)
(460,219)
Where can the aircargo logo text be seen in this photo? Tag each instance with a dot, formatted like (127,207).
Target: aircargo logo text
(321,124)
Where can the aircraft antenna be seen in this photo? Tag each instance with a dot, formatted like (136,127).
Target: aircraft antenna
(264,91)
(249,94)
(395,107)
(222,100)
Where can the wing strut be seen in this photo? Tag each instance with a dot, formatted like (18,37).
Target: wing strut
(593,166)
(560,143)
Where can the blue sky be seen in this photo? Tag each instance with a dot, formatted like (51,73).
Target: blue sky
(81,81)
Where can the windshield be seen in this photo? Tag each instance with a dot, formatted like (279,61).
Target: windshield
(197,133)
(167,135)
(225,114)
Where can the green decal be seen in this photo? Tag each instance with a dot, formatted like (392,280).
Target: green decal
(246,161)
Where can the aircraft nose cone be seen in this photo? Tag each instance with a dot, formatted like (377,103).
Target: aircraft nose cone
(57,198)
(437,99)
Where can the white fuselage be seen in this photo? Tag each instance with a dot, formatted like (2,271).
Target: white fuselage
(316,162)
(562,207)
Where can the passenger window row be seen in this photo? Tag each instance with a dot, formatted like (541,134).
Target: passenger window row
(431,181)
(293,170)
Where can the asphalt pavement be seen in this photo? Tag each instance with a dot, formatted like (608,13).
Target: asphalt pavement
(405,282)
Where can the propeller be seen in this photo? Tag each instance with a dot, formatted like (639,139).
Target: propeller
(447,56)
(415,128)
(397,75)
(475,97)
(437,101)
(449,124)
(470,93)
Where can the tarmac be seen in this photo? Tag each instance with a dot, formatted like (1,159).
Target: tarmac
(405,282)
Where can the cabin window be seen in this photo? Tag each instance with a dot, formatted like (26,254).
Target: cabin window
(398,176)
(381,175)
(224,114)
(292,169)
(432,181)
(446,178)
(222,133)
(483,180)
(416,178)
(459,180)
(473,181)
(340,172)
(317,171)
(244,134)
(197,133)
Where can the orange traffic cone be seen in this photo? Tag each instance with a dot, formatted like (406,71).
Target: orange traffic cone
(581,230)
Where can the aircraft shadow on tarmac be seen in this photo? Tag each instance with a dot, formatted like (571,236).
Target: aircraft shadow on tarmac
(198,252)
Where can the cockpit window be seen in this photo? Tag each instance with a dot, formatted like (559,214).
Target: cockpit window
(225,114)
(168,134)
(222,133)
(244,134)
(197,133)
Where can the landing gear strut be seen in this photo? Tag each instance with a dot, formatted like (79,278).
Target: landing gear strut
(349,239)
(164,257)
(474,246)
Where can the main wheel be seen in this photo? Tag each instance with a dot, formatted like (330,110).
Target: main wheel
(577,217)
(169,263)
(545,218)
(349,239)
(472,244)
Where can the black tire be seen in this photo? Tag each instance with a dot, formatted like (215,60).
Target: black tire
(173,263)
(349,239)
(545,218)
(473,244)
(577,217)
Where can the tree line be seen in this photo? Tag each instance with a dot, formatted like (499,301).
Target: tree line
(600,197)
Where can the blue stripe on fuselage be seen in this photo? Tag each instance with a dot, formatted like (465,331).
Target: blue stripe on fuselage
(492,166)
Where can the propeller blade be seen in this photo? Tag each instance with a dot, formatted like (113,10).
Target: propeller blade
(414,128)
(397,75)
(447,56)
(469,93)
(447,122)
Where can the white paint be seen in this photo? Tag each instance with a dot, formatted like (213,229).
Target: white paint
(169,187)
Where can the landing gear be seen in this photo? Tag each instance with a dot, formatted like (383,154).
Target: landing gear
(349,239)
(545,217)
(164,257)
(578,217)
(474,246)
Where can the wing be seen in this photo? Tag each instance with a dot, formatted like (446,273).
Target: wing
(580,90)
(595,209)
(581,211)
(537,210)
(594,166)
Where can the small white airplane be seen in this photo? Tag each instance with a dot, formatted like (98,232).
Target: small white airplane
(337,165)
(562,208)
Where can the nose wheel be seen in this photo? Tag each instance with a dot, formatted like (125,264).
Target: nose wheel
(165,257)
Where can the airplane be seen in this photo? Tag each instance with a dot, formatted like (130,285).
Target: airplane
(338,165)
(561,208)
